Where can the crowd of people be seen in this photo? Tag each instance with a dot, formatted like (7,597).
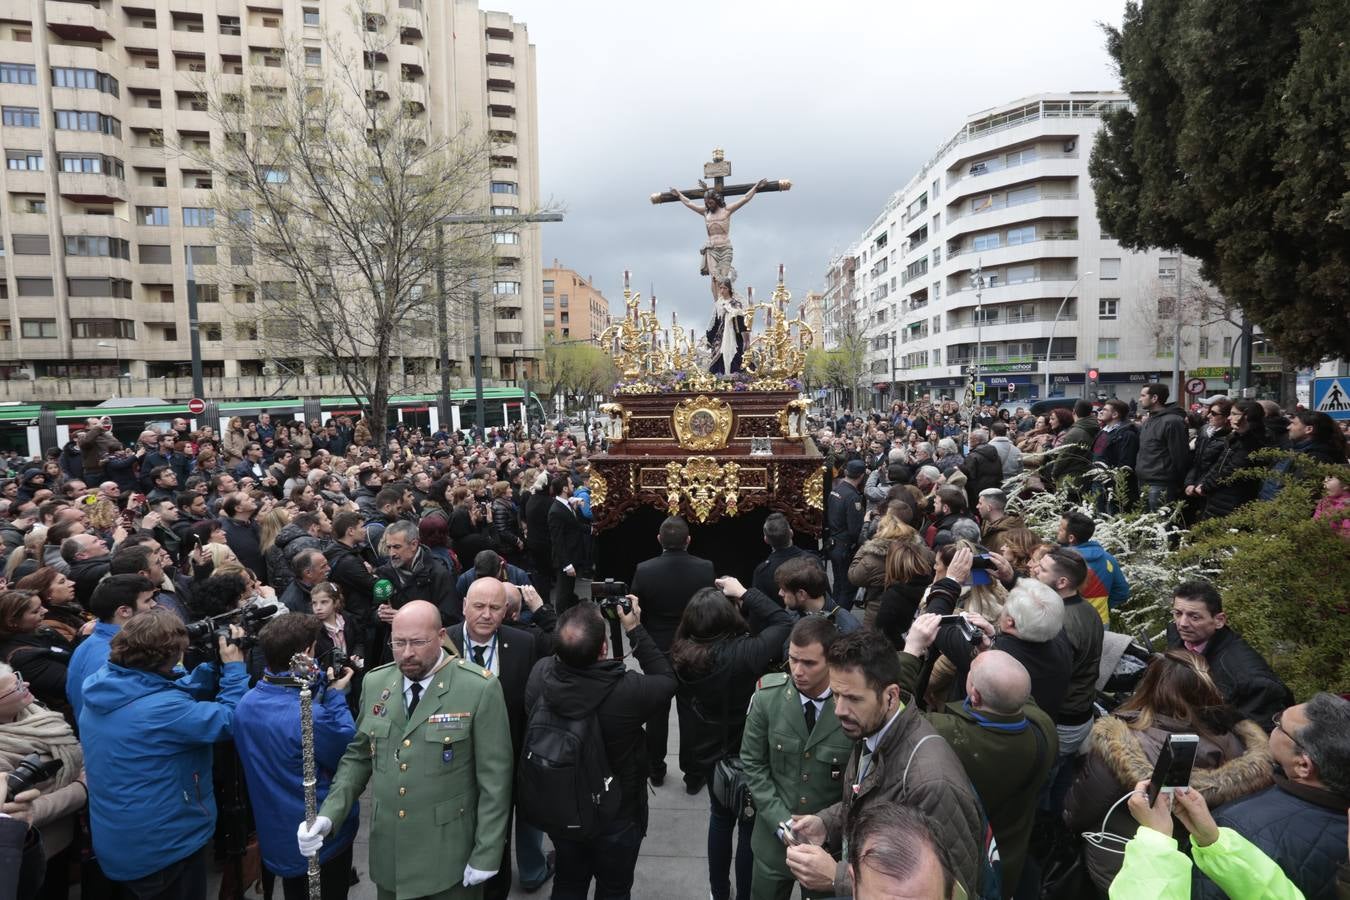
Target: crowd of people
(913,709)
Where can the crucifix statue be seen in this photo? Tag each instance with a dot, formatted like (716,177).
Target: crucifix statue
(727,334)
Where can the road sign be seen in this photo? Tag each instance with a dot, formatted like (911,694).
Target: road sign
(979,389)
(196,406)
(1195,386)
(1332,396)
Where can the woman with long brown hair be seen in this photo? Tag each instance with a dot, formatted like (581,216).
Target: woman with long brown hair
(1177,695)
(38,652)
(909,572)
(868,568)
(65,616)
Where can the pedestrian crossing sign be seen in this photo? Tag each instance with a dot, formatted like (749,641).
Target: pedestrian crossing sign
(979,389)
(1332,396)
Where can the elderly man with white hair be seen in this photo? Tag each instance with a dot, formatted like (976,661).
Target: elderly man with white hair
(1030,628)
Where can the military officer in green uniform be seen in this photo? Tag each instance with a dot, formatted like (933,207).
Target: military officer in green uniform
(433,736)
(793,751)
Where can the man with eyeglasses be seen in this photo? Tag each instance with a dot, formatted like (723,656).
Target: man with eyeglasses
(430,741)
(1300,821)
(1116,445)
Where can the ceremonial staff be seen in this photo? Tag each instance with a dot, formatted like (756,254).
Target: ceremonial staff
(304,671)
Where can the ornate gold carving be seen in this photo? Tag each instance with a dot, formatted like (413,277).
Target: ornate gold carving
(599,488)
(702,481)
(792,419)
(702,423)
(618,427)
(814,489)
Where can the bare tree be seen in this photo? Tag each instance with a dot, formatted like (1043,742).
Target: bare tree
(576,372)
(332,193)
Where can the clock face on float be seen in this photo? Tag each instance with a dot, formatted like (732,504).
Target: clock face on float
(702,423)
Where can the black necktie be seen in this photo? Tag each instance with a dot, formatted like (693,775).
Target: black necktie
(810,708)
(416,690)
(477,653)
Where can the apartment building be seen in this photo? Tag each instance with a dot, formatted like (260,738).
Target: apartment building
(96,214)
(992,252)
(571,306)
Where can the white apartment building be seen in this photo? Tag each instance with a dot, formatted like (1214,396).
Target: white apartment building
(96,213)
(1007,203)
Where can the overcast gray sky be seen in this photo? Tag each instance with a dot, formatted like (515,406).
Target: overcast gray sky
(845,98)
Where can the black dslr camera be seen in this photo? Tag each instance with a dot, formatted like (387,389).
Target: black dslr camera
(30,772)
(203,634)
(611,596)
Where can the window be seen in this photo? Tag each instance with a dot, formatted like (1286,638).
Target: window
(77,120)
(170,332)
(504,211)
(88,79)
(1167,267)
(99,287)
(311,16)
(229,24)
(198,217)
(102,328)
(92,164)
(1228,347)
(211,331)
(313,56)
(506,237)
(35,287)
(153,215)
(985,314)
(204,255)
(506,287)
(154,254)
(1163,346)
(980,204)
(986,241)
(1109,269)
(562,301)
(20,116)
(241,256)
(1024,235)
(245,331)
(24,160)
(501,187)
(1018,274)
(1167,307)
(1018,196)
(37,328)
(1204,346)
(17,73)
(97,245)
(548,285)
(36,205)
(275,176)
(208,293)
(1020,157)
(278,290)
(1108,348)
(31,245)
(548,303)
(563,318)
(1108,308)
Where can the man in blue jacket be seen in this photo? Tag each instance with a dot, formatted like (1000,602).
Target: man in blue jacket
(116,599)
(1106,586)
(148,744)
(267,736)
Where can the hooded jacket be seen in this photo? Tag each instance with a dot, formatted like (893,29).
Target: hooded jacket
(1075,455)
(1237,765)
(289,541)
(1164,448)
(148,745)
(1105,587)
(623,700)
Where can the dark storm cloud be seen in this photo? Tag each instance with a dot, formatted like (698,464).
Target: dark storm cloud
(845,99)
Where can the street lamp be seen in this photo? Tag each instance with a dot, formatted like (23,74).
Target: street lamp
(1050,344)
(117,351)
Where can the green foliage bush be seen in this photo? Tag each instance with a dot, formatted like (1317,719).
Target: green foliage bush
(1284,577)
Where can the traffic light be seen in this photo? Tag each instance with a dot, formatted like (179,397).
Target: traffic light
(1011,388)
(1092,375)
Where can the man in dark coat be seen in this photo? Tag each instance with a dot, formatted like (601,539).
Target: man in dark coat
(665,585)
(1164,447)
(241,533)
(1243,677)
(568,537)
(1300,821)
(844,519)
(415,574)
(351,564)
(983,467)
(778,535)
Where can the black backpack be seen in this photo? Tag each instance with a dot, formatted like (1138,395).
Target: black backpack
(564,785)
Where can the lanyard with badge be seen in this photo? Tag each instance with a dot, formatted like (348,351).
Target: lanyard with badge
(489,654)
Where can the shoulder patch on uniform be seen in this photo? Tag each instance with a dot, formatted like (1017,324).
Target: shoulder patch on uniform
(772,680)
(474,667)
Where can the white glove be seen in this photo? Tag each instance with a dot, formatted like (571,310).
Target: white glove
(474,876)
(310,837)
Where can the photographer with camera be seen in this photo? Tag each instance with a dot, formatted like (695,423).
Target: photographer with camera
(149,748)
(579,681)
(45,774)
(267,736)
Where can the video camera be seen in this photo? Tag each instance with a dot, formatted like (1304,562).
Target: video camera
(611,596)
(203,635)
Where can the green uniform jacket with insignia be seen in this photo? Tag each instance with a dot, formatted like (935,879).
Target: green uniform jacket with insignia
(790,771)
(442,780)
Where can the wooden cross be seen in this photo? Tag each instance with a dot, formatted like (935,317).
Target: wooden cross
(719,170)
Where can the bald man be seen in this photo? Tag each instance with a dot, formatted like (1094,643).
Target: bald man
(1006,742)
(508,653)
(431,742)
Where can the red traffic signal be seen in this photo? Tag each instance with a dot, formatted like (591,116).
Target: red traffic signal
(1092,375)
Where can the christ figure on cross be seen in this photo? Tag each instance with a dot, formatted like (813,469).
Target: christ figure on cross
(716,253)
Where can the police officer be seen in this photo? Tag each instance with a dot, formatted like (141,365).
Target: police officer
(844,518)
(793,751)
(431,735)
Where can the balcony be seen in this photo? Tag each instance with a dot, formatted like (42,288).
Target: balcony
(83,188)
(500,48)
(982,176)
(260,37)
(502,98)
(193,42)
(95,390)
(1060,239)
(77,22)
(1000,204)
(410,55)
